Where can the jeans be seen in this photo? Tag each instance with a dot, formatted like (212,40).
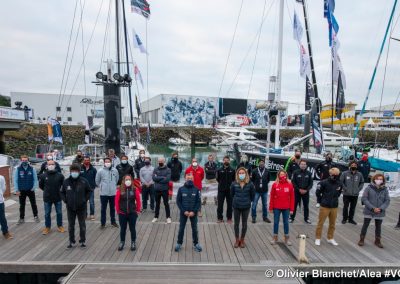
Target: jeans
(222,195)
(182,224)
(22,200)
(47,213)
(148,192)
(349,201)
(81,215)
(237,214)
(124,221)
(378,225)
(298,197)
(324,213)
(104,201)
(164,195)
(91,202)
(264,202)
(3,221)
(285,217)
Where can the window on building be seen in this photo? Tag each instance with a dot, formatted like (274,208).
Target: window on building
(58,108)
(69,109)
(69,119)
(58,118)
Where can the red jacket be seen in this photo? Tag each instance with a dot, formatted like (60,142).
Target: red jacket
(137,198)
(170,188)
(198,175)
(282,196)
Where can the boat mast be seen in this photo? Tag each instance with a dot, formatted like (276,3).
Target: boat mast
(279,74)
(117,35)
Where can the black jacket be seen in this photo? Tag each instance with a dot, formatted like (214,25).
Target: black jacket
(292,167)
(75,193)
(247,166)
(51,183)
(43,168)
(176,169)
(161,178)
(242,197)
(302,179)
(260,179)
(124,170)
(78,160)
(225,177)
(323,168)
(188,198)
(328,192)
(364,167)
(89,175)
(211,170)
(139,163)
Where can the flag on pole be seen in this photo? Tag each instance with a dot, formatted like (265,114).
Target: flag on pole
(340,100)
(310,95)
(138,43)
(328,5)
(316,127)
(138,75)
(137,106)
(337,63)
(54,130)
(148,136)
(297,28)
(305,67)
(141,7)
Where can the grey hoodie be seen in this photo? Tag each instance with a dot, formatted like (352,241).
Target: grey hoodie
(106,180)
(146,174)
(352,183)
(374,197)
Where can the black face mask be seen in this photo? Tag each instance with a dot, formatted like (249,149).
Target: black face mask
(161,165)
(328,159)
(353,168)
(334,177)
(175,159)
(226,164)
(297,156)
(261,166)
(147,163)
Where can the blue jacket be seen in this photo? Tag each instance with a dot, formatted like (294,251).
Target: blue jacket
(161,178)
(188,198)
(242,197)
(364,167)
(25,179)
(89,175)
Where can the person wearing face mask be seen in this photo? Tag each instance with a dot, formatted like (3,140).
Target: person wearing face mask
(43,167)
(139,162)
(302,181)
(244,163)
(124,168)
(353,183)
(51,183)
(328,193)
(293,163)
(107,179)
(128,207)
(75,193)
(189,202)
(78,158)
(225,177)
(198,176)
(25,181)
(260,179)
(242,192)
(89,173)
(281,202)
(364,166)
(161,178)
(115,161)
(376,200)
(322,169)
(176,167)
(146,178)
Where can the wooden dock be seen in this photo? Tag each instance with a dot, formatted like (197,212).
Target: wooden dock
(155,258)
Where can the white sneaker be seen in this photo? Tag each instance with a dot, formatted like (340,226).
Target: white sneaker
(154,220)
(333,242)
(169,221)
(317,205)
(317,242)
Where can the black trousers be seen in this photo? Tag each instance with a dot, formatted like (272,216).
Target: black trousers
(124,222)
(349,201)
(148,192)
(81,215)
(164,195)
(221,196)
(22,201)
(244,215)
(378,225)
(297,200)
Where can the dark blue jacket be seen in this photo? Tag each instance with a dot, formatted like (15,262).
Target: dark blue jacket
(188,198)
(161,178)
(260,179)
(364,167)
(242,197)
(89,175)
(25,179)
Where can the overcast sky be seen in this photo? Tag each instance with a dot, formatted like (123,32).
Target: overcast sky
(188,44)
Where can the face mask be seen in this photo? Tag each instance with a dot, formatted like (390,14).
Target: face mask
(24,164)
(86,163)
(328,159)
(107,165)
(128,182)
(364,158)
(353,168)
(194,164)
(161,165)
(297,156)
(378,182)
(124,162)
(227,163)
(189,183)
(74,175)
(282,178)
(147,163)
(51,167)
(175,158)
(334,177)
(242,176)
(79,155)
(261,166)
(49,158)
(142,155)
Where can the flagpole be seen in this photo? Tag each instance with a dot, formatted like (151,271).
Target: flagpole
(117,35)
(147,75)
(374,72)
(332,89)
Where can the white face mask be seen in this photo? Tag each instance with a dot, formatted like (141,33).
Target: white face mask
(49,158)
(108,165)
(378,181)
(51,167)
(194,164)
(128,182)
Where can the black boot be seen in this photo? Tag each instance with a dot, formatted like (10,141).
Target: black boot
(398,224)
(121,246)
(133,246)
(253,220)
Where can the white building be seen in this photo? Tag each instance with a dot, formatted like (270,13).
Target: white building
(73,109)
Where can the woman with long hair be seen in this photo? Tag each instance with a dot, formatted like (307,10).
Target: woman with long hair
(281,202)
(128,206)
(242,193)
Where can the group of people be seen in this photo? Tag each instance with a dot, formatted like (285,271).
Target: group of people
(128,188)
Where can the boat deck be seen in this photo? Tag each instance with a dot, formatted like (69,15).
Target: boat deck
(155,248)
